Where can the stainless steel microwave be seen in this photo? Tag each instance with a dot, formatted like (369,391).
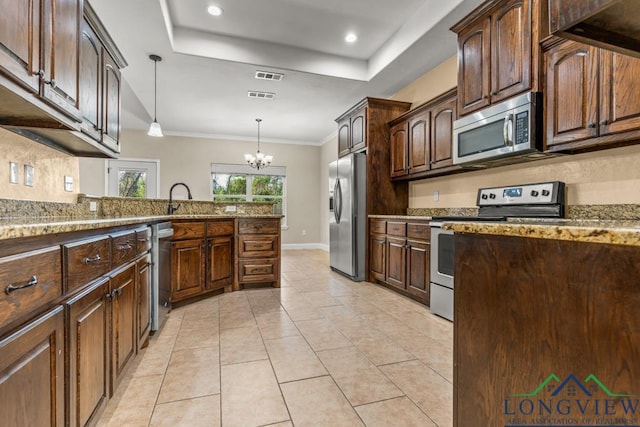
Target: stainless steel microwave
(507,132)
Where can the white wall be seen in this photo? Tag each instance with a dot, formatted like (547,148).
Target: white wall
(188,160)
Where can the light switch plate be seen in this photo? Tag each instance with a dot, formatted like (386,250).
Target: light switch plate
(68,183)
(93,206)
(13,173)
(28,175)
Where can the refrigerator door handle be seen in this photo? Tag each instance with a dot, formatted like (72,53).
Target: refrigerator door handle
(337,212)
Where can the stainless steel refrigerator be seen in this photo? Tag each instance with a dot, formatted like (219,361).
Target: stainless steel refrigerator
(347,215)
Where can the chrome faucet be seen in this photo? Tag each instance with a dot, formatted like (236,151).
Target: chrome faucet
(171,209)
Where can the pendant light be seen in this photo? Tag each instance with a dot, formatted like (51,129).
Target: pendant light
(259,161)
(154,128)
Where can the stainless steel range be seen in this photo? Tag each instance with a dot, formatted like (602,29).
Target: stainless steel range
(540,200)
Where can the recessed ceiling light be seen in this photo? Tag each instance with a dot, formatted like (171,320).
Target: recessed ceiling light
(351,38)
(214,10)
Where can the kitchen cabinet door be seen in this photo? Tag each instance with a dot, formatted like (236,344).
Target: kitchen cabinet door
(377,256)
(20,42)
(88,335)
(419,143)
(143,321)
(474,62)
(62,22)
(571,88)
(32,367)
(358,126)
(344,137)
(91,82)
(123,322)
(396,262)
(399,146)
(418,259)
(510,49)
(111,103)
(442,117)
(619,93)
(187,268)
(220,262)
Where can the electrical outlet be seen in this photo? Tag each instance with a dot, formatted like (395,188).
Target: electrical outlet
(304,232)
(28,175)
(68,183)
(230,208)
(13,173)
(436,196)
(93,206)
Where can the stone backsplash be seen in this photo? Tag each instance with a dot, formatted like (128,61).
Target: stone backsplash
(607,212)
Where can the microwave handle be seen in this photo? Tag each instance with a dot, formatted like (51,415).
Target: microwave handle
(507,130)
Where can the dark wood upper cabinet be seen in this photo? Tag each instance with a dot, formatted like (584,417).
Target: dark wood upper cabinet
(20,42)
(496,53)
(610,24)
(344,137)
(592,97)
(111,103)
(90,82)
(421,140)
(358,126)
(352,136)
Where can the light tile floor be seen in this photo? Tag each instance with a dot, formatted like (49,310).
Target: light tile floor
(319,351)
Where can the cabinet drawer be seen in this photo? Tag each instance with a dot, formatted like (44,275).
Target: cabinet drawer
(143,240)
(258,246)
(86,260)
(40,272)
(418,231)
(258,270)
(219,228)
(378,226)
(396,228)
(259,226)
(123,248)
(188,230)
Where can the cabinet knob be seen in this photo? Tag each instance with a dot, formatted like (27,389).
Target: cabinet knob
(604,122)
(591,125)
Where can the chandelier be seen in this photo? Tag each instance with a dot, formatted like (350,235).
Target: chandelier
(259,161)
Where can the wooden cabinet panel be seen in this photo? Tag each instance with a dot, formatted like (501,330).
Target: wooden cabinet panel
(32,367)
(220,262)
(187,268)
(123,322)
(143,320)
(258,270)
(88,338)
(378,226)
(189,230)
(344,142)
(61,51)
(20,42)
(220,228)
(420,231)
(111,103)
(619,93)
(123,248)
(358,126)
(396,262)
(397,228)
(510,50)
(30,280)
(377,256)
(143,240)
(399,146)
(259,226)
(86,260)
(90,82)
(258,246)
(442,117)
(419,144)
(418,260)
(474,56)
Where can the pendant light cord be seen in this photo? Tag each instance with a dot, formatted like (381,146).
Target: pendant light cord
(155,91)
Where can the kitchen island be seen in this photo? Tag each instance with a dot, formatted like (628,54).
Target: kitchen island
(546,327)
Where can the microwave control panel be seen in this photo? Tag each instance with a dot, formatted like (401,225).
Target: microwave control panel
(521,128)
(526,194)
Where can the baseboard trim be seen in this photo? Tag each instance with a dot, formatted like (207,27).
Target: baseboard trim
(298,246)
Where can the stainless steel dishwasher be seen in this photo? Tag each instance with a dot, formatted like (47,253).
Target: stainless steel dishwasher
(161,283)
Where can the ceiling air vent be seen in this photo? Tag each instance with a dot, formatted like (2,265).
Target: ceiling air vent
(268,75)
(261,95)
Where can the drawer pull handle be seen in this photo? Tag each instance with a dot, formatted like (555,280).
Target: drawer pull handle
(89,260)
(125,247)
(143,240)
(32,282)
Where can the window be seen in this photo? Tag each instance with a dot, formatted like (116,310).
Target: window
(242,183)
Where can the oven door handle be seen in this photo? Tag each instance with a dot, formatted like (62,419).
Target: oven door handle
(507,130)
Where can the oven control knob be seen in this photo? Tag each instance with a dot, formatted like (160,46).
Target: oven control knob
(492,196)
(545,192)
(484,197)
(534,193)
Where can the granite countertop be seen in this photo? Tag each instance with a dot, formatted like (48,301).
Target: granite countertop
(11,228)
(402,217)
(620,232)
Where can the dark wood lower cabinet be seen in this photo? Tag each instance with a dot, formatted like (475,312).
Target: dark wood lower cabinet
(187,268)
(220,262)
(123,322)
(418,261)
(87,353)
(143,271)
(530,310)
(377,256)
(396,262)
(32,359)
